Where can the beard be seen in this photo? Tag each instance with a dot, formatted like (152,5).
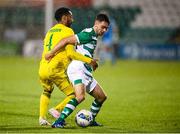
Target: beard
(69,23)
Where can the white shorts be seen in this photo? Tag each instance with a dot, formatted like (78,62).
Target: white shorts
(77,73)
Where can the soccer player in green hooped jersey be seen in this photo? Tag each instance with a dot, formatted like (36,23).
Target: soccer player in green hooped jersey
(54,72)
(80,73)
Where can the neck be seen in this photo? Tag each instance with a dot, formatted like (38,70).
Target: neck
(60,22)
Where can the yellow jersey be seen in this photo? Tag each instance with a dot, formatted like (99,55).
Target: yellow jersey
(59,62)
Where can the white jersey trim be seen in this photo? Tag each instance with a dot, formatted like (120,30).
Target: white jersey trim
(77,38)
(70,106)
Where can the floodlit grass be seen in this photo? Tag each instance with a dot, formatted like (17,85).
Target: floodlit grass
(143,96)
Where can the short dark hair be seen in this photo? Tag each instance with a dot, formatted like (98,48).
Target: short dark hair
(60,12)
(102,17)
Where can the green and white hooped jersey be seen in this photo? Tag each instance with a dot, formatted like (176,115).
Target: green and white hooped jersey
(88,41)
(78,71)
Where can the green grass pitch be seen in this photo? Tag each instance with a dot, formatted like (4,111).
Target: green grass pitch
(143,96)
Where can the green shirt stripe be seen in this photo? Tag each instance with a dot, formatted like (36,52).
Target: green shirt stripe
(91,51)
(78,81)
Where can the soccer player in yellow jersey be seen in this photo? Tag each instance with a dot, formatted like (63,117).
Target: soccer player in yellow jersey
(54,71)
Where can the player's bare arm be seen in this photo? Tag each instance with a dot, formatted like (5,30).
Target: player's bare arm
(69,40)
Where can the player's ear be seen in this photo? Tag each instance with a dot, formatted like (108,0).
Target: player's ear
(64,18)
(96,22)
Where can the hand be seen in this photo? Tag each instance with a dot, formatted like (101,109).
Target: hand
(49,56)
(94,64)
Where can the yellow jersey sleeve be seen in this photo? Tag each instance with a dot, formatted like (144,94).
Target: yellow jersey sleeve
(72,54)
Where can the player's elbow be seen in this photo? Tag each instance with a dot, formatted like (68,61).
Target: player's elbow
(69,40)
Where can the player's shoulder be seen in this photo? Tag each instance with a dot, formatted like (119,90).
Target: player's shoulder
(87,30)
(64,28)
(69,29)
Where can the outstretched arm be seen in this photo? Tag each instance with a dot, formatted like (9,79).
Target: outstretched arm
(72,54)
(62,43)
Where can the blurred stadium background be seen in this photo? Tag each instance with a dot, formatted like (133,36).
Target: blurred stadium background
(148,29)
(143,95)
